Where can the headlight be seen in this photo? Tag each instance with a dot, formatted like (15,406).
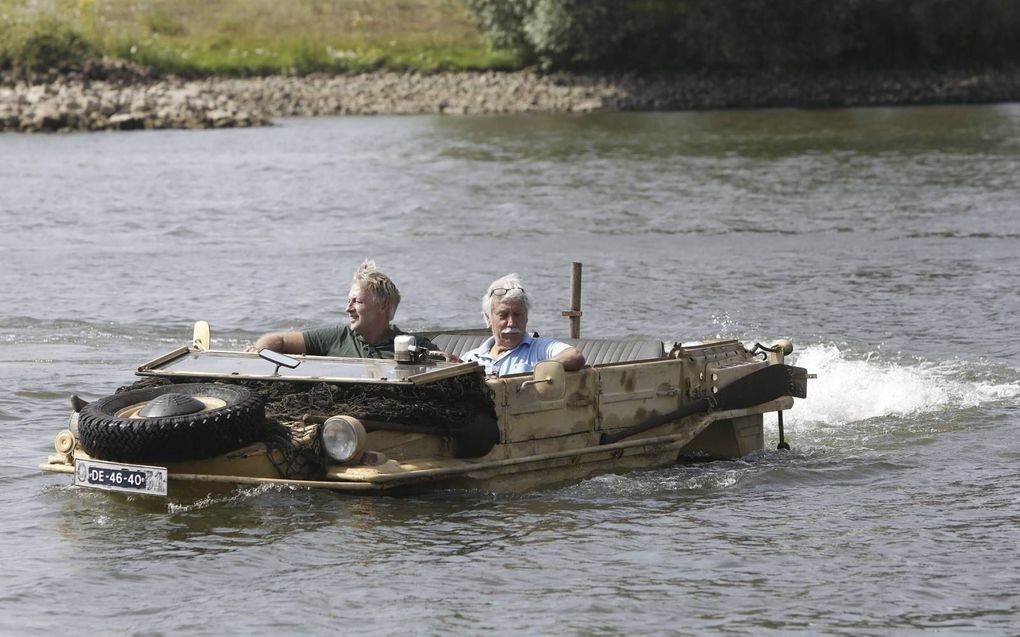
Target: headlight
(64,442)
(343,438)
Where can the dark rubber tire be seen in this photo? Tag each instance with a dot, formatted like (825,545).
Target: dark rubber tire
(208,433)
(478,438)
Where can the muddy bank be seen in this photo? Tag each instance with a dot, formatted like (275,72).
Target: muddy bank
(124,98)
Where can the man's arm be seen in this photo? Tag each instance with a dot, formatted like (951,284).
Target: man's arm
(571,358)
(432,349)
(283,342)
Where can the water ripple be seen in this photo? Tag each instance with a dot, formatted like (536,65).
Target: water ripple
(881,240)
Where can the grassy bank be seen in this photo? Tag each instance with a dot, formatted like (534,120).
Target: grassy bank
(247,37)
(197,38)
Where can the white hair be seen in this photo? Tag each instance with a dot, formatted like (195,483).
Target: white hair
(515,290)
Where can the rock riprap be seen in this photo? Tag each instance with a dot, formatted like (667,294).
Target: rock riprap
(126,98)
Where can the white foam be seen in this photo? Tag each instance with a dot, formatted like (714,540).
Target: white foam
(851,388)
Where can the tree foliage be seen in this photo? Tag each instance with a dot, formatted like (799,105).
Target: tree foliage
(42,43)
(753,34)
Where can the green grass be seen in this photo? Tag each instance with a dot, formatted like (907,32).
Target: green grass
(295,55)
(258,37)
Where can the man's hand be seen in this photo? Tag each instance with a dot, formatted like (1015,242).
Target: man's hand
(446,356)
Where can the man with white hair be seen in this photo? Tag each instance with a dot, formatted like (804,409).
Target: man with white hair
(510,349)
(371,304)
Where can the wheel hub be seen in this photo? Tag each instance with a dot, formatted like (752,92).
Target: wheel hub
(171,405)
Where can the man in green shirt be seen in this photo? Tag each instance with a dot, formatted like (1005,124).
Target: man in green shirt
(371,304)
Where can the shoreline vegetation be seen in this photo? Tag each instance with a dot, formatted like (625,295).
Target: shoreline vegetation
(75,65)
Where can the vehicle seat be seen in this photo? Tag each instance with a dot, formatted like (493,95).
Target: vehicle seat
(602,352)
(458,343)
(596,351)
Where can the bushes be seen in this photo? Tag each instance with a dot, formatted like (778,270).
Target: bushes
(552,33)
(753,34)
(612,35)
(41,44)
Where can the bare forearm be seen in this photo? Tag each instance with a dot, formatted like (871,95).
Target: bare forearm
(283,342)
(572,359)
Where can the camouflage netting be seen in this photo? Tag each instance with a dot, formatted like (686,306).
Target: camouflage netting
(447,408)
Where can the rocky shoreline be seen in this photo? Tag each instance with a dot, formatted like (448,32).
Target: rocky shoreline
(116,96)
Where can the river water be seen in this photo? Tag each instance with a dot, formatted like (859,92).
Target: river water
(884,242)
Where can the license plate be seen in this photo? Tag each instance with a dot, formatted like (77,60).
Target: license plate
(132,478)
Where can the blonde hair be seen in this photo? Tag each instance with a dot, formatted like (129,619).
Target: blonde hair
(381,287)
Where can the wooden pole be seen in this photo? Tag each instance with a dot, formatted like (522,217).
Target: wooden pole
(575,300)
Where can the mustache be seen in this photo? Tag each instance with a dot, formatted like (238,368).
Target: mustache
(510,330)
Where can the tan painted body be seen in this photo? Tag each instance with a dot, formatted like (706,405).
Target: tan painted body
(550,424)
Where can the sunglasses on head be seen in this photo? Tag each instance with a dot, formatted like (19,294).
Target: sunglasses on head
(503,291)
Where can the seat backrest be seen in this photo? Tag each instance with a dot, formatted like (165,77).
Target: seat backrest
(596,351)
(601,352)
(458,343)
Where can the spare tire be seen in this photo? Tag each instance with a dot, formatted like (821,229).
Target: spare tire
(224,417)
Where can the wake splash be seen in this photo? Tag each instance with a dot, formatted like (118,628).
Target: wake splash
(851,388)
(238,494)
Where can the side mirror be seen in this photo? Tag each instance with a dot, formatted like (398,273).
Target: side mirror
(549,381)
(278,359)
